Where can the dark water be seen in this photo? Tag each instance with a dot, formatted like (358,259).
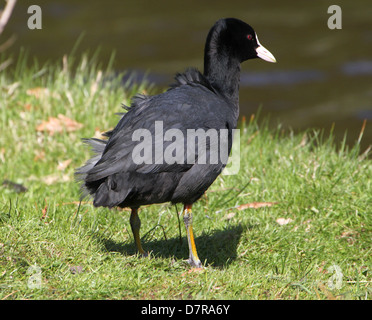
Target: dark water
(322,76)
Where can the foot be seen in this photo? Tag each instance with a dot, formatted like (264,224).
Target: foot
(144,254)
(195,263)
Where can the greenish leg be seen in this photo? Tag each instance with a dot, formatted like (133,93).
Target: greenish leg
(135,224)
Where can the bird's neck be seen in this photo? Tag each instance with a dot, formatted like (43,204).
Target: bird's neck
(224,75)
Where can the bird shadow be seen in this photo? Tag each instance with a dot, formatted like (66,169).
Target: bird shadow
(216,248)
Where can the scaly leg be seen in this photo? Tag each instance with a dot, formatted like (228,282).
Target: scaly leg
(193,255)
(135,224)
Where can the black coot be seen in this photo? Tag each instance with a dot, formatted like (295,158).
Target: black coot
(149,157)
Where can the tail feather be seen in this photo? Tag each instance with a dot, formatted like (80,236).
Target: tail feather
(98,146)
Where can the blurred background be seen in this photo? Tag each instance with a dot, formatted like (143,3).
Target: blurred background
(323,77)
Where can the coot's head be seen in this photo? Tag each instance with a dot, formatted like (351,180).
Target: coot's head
(234,38)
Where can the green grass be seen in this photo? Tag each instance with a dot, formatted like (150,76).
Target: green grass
(88,253)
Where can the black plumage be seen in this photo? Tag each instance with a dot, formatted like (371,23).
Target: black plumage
(195,101)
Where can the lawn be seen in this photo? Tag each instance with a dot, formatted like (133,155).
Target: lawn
(294,223)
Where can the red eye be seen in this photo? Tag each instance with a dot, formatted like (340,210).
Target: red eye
(249,37)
